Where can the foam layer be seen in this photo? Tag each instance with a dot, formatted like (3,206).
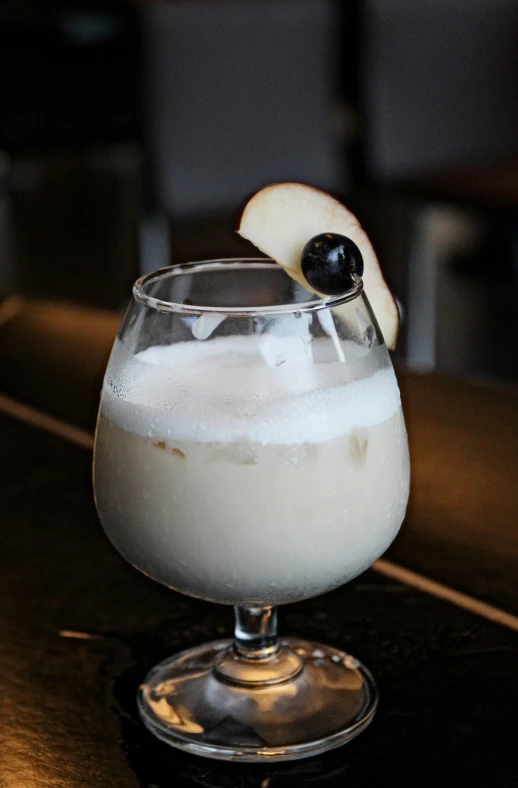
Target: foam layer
(246,389)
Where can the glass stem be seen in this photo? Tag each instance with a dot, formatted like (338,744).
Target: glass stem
(257,659)
(255,635)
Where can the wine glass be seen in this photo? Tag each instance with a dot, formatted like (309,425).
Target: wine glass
(251,451)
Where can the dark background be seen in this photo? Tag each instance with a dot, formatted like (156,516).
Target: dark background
(130,132)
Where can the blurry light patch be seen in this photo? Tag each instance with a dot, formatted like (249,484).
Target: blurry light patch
(77,635)
(90,29)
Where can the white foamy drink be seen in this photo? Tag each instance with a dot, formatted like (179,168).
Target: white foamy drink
(234,472)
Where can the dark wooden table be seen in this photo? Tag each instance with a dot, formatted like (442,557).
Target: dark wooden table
(493,184)
(80,627)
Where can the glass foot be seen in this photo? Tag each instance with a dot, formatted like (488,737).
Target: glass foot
(327,703)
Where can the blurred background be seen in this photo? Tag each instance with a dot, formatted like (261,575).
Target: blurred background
(131,131)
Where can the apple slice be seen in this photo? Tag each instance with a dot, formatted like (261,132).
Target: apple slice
(281,218)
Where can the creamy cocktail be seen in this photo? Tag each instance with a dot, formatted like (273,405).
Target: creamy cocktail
(242,482)
(251,450)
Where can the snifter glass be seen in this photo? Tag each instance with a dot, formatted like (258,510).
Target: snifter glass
(251,451)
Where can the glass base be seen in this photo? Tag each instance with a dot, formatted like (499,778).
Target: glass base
(184,703)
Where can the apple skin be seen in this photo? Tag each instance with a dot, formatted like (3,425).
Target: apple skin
(242,208)
(281,218)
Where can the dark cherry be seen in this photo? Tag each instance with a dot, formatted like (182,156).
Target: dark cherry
(328,262)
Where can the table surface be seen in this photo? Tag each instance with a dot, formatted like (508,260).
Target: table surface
(492,184)
(80,628)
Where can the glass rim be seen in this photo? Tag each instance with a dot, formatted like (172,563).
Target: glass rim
(236,263)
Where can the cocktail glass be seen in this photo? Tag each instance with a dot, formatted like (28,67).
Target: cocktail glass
(251,451)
